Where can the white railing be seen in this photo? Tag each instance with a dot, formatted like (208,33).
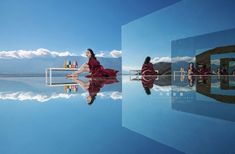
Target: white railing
(48,71)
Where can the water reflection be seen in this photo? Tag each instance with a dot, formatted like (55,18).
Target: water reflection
(34,89)
(200,111)
(153,82)
(147,82)
(218,87)
(93,86)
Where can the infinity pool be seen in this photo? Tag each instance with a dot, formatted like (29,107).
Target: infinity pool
(128,115)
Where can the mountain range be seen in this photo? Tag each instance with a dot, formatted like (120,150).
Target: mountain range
(38,65)
(164,68)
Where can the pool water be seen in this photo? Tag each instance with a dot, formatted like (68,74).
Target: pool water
(131,115)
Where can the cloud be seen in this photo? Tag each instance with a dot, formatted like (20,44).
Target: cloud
(173,60)
(106,54)
(97,54)
(128,68)
(185,58)
(116,53)
(162,88)
(41,52)
(172,88)
(215,61)
(161,59)
(30,96)
(101,54)
(115,95)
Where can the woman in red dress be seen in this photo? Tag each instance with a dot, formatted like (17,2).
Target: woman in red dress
(93,66)
(147,68)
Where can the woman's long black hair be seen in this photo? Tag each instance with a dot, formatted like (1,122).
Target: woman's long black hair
(147,90)
(191,63)
(92,53)
(92,100)
(147,60)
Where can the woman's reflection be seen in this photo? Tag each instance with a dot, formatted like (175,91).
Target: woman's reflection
(93,86)
(149,75)
(191,80)
(147,82)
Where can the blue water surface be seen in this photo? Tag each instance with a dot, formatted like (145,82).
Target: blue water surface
(175,118)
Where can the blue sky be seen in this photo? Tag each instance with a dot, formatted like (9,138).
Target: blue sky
(69,25)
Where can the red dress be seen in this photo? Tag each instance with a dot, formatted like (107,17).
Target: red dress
(96,84)
(98,70)
(148,81)
(147,69)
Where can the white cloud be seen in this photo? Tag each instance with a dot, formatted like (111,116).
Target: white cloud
(161,59)
(162,88)
(100,54)
(41,52)
(128,68)
(83,54)
(85,94)
(173,60)
(111,54)
(172,88)
(215,61)
(116,53)
(115,95)
(29,96)
(185,58)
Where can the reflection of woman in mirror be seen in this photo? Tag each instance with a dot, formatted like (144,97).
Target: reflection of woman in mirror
(204,70)
(147,68)
(202,79)
(224,71)
(147,82)
(191,80)
(218,72)
(93,66)
(191,69)
(93,86)
(182,74)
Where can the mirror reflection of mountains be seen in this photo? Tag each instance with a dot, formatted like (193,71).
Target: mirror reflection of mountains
(18,67)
